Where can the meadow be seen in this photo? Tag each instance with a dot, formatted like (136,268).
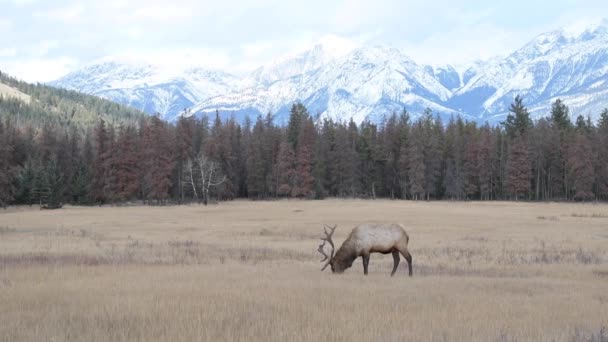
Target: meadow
(250,271)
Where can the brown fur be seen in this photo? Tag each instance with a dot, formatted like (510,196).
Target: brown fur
(372,238)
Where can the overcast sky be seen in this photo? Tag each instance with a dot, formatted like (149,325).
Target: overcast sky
(41,40)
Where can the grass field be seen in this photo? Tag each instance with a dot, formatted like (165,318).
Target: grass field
(249,271)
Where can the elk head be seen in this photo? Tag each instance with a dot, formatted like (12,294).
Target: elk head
(329,231)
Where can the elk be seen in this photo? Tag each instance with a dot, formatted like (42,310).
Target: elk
(363,240)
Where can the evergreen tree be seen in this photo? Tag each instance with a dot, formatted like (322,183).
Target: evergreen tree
(580,168)
(285,170)
(432,130)
(52,184)
(297,115)
(258,162)
(470,165)
(126,165)
(581,124)
(560,115)
(518,169)
(417,167)
(26,182)
(185,151)
(101,164)
(602,158)
(7,171)
(403,161)
(518,120)
(603,122)
(158,160)
(486,162)
(304,160)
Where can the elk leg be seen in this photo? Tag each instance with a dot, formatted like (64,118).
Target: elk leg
(365,263)
(408,258)
(396,260)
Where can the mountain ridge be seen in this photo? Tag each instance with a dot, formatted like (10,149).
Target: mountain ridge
(369,82)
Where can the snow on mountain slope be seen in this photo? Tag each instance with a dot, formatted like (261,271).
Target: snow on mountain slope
(341,81)
(369,82)
(152,89)
(561,63)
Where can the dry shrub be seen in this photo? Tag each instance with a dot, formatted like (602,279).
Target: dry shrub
(7,230)
(592,215)
(582,335)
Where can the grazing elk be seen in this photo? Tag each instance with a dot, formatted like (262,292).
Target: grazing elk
(364,240)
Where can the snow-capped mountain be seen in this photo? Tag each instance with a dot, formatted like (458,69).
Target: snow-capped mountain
(559,64)
(152,89)
(368,82)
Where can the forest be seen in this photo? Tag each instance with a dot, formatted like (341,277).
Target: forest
(203,159)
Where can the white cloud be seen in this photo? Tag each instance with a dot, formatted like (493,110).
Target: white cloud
(39,70)
(466,44)
(163,13)
(65,14)
(5,25)
(8,52)
(176,58)
(20,2)
(241,35)
(46,46)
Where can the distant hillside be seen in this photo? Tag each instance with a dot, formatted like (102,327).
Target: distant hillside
(36,104)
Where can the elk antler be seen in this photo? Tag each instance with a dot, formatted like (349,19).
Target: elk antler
(327,238)
(323,252)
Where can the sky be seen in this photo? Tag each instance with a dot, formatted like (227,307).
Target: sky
(42,40)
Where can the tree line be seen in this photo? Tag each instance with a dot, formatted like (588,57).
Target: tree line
(199,159)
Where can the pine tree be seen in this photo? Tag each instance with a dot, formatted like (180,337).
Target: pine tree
(602,159)
(7,170)
(403,159)
(603,122)
(518,169)
(417,167)
(485,162)
(303,173)
(82,184)
(297,115)
(325,173)
(185,150)
(101,164)
(471,165)
(580,168)
(432,155)
(52,181)
(126,165)
(518,120)
(304,160)
(454,150)
(560,115)
(257,161)
(285,170)
(158,162)
(26,182)
(581,124)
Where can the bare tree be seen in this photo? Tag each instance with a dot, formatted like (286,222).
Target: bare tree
(189,177)
(202,174)
(210,175)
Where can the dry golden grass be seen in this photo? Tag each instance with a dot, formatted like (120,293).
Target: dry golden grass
(9,92)
(244,271)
